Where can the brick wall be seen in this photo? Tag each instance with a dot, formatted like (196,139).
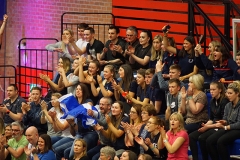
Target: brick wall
(42,18)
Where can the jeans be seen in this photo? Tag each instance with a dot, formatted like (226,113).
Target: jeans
(192,127)
(94,153)
(60,146)
(54,139)
(91,138)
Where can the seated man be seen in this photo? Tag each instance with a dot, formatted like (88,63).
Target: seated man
(94,46)
(32,111)
(32,138)
(14,146)
(173,97)
(11,108)
(111,53)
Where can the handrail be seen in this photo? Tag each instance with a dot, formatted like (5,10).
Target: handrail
(225,42)
(84,13)
(233,4)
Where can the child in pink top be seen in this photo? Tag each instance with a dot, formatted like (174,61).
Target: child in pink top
(176,140)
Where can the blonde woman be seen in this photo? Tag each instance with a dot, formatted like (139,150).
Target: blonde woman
(176,139)
(80,150)
(156,51)
(194,104)
(203,62)
(63,47)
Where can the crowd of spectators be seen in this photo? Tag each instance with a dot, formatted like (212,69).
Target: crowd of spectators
(150,96)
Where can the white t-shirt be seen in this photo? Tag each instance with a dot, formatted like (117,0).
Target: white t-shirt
(81,44)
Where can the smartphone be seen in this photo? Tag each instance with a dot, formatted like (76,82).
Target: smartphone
(166,28)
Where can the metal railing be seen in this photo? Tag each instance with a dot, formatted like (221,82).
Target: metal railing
(9,77)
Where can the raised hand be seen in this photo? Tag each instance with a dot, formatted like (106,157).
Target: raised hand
(5,17)
(159,66)
(99,79)
(183,92)
(108,119)
(139,140)
(43,105)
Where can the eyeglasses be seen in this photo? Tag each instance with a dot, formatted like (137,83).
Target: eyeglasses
(15,130)
(102,104)
(129,35)
(132,112)
(148,122)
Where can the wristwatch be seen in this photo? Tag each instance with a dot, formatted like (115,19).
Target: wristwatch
(165,140)
(6,146)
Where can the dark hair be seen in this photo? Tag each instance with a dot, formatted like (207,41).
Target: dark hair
(134,29)
(92,31)
(182,52)
(138,108)
(36,88)
(225,55)
(171,42)
(149,34)
(82,26)
(85,92)
(238,53)
(14,86)
(114,27)
(96,62)
(131,155)
(47,141)
(128,77)
(220,86)
(175,80)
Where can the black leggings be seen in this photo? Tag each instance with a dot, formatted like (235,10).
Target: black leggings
(217,143)
(200,137)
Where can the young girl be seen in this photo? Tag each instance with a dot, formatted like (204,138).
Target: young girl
(150,143)
(89,75)
(63,47)
(156,51)
(142,89)
(105,88)
(217,106)
(176,140)
(185,56)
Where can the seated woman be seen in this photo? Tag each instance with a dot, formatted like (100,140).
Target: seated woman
(142,90)
(134,126)
(128,155)
(80,150)
(224,67)
(194,104)
(217,106)
(105,88)
(50,117)
(8,135)
(228,127)
(65,64)
(203,62)
(115,131)
(64,47)
(156,51)
(70,81)
(89,76)
(63,146)
(176,140)
(150,142)
(44,149)
(127,85)
(185,56)
(139,57)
